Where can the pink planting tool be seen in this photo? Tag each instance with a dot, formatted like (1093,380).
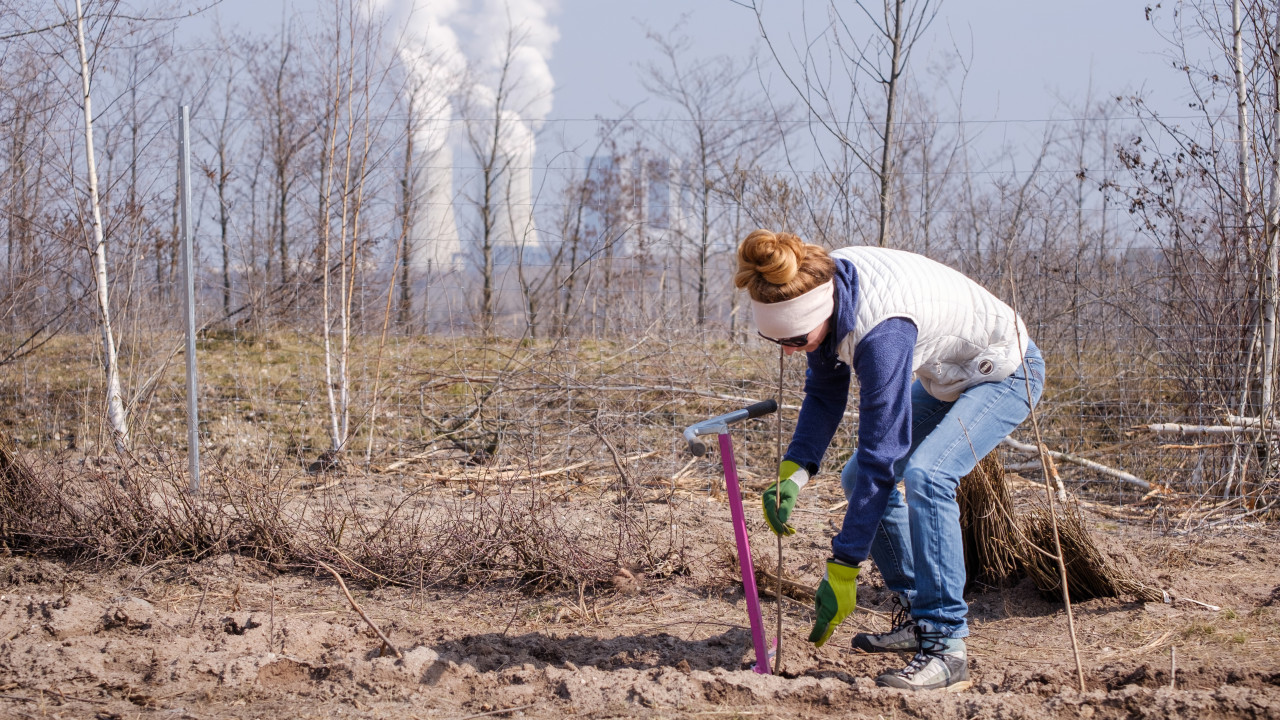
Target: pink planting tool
(720,426)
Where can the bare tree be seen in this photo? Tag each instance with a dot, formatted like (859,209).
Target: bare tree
(97,246)
(721,127)
(137,226)
(350,129)
(220,170)
(28,205)
(427,224)
(880,60)
(1189,184)
(585,215)
(26,124)
(1271,265)
(497,138)
(408,205)
(282,109)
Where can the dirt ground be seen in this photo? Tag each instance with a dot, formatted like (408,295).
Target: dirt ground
(229,637)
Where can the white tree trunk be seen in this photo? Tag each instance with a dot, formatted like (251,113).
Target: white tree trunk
(116,415)
(1242,120)
(344,100)
(1272,230)
(1099,468)
(1244,205)
(335,432)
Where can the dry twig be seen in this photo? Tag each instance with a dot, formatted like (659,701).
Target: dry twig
(355,605)
(1041,449)
(1082,462)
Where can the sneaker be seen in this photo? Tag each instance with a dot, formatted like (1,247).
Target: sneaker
(900,639)
(940,664)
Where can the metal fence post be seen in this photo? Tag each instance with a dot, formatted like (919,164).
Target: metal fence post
(188,276)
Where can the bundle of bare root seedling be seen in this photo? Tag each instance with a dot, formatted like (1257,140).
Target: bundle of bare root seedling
(1002,545)
(993,548)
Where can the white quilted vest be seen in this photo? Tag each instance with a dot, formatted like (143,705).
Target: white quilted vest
(966,335)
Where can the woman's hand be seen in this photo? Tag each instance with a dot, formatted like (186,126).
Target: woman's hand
(780,499)
(837,597)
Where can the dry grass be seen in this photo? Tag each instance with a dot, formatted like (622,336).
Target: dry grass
(264,405)
(263,400)
(480,447)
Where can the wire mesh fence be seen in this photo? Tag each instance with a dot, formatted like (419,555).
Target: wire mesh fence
(597,385)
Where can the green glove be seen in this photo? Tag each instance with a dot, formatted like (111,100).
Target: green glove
(837,597)
(780,499)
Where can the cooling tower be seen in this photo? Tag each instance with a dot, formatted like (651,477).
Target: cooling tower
(516,235)
(434,243)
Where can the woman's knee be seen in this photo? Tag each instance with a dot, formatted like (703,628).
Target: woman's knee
(849,477)
(922,485)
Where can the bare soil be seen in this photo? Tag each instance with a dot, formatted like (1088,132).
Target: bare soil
(231,637)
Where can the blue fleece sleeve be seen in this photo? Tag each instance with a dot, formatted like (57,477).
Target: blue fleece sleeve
(826,392)
(882,363)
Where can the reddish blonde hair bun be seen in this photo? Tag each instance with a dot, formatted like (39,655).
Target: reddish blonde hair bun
(774,267)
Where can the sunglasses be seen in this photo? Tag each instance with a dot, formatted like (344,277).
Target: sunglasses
(798,341)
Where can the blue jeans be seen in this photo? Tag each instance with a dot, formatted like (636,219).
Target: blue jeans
(918,546)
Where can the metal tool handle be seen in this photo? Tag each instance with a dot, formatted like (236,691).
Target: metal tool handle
(721,423)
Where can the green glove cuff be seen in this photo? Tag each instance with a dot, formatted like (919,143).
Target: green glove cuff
(837,570)
(837,597)
(789,470)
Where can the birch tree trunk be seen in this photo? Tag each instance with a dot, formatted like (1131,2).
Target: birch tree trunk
(1243,206)
(326,188)
(116,415)
(354,208)
(355,128)
(346,232)
(1242,120)
(1272,230)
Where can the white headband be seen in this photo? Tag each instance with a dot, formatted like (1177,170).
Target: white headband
(797,316)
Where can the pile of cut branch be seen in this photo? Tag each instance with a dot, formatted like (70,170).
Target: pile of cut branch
(522,535)
(1002,546)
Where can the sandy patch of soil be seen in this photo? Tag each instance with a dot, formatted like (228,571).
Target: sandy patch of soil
(229,637)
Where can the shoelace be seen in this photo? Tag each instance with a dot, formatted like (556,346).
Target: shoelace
(932,643)
(901,614)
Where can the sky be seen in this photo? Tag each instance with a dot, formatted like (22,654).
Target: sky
(1027,55)
(1030,59)
(1031,64)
